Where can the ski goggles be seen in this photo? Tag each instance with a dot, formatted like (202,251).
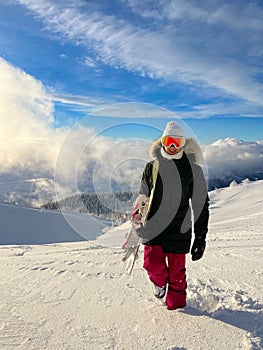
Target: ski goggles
(176,141)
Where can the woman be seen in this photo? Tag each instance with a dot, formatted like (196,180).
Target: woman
(179,200)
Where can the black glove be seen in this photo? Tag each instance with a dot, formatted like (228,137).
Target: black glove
(198,248)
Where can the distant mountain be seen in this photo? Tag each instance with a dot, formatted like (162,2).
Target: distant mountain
(215,183)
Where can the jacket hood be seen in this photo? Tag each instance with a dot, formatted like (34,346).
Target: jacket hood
(191,149)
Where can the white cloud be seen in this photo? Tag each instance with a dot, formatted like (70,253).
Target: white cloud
(90,62)
(134,110)
(27,138)
(31,192)
(231,108)
(78,102)
(89,161)
(197,43)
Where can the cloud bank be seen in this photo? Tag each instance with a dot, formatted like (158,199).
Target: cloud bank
(232,158)
(27,138)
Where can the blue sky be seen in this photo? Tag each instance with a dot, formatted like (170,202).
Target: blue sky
(200,60)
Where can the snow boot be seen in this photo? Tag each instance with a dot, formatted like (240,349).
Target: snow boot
(159,292)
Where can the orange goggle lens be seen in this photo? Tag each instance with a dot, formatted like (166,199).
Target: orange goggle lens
(168,141)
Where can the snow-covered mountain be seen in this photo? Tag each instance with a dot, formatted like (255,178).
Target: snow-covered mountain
(75,295)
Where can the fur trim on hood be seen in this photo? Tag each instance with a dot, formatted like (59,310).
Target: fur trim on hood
(191,149)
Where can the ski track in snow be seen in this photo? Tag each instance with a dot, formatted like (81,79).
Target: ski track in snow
(74,296)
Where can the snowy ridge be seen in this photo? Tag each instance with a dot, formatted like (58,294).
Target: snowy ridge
(76,295)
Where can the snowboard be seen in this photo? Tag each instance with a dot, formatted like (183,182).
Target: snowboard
(132,241)
(139,215)
(131,246)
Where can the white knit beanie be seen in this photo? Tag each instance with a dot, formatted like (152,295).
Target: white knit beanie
(173,129)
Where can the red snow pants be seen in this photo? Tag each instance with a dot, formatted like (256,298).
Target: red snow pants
(167,269)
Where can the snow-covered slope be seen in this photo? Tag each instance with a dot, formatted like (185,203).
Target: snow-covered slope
(21,225)
(77,296)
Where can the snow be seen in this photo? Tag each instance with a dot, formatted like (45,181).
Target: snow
(75,295)
(21,225)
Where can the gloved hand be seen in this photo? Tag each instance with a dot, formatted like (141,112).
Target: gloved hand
(144,232)
(198,248)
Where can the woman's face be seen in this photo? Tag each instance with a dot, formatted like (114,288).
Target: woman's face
(172,150)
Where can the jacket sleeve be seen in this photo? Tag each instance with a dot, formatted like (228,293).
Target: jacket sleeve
(200,203)
(146,181)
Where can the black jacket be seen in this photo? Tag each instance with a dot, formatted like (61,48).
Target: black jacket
(180,186)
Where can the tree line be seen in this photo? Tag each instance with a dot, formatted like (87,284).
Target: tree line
(115,206)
